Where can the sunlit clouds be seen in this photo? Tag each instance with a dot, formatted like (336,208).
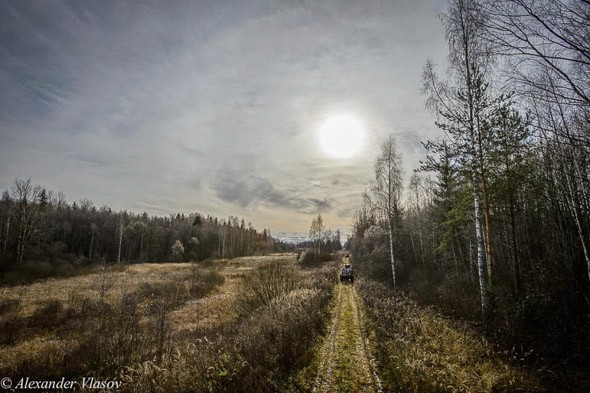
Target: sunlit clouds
(210,106)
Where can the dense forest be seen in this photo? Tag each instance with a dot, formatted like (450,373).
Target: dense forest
(43,234)
(494,227)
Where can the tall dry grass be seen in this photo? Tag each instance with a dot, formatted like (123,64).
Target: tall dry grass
(96,324)
(280,312)
(421,351)
(246,324)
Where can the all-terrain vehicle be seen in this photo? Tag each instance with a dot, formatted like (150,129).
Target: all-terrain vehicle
(347,274)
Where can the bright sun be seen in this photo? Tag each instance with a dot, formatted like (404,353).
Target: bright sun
(341,136)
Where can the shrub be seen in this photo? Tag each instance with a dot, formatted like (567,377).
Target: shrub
(311,258)
(259,351)
(8,305)
(11,329)
(47,316)
(265,284)
(201,282)
(279,339)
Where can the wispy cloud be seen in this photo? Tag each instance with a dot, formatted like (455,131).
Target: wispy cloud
(210,106)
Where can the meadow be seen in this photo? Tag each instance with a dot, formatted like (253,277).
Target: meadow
(244,324)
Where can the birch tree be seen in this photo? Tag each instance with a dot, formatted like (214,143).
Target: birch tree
(384,194)
(177,250)
(7,212)
(546,47)
(93,229)
(316,231)
(464,104)
(120,233)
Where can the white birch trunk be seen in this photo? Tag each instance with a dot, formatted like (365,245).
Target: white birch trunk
(141,246)
(120,242)
(481,268)
(21,231)
(391,249)
(7,233)
(91,244)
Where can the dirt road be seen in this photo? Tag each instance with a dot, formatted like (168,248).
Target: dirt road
(346,364)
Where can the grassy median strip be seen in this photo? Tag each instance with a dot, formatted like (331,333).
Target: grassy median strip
(344,364)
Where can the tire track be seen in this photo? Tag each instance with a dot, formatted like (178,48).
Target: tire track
(346,364)
(323,378)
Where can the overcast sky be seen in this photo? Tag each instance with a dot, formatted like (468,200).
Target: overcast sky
(211,106)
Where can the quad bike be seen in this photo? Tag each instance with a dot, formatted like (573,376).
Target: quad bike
(347,274)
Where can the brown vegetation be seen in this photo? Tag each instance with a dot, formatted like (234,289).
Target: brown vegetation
(277,315)
(246,324)
(421,351)
(95,323)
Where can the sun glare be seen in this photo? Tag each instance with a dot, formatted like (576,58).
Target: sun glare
(341,136)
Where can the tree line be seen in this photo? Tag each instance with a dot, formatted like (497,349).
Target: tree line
(496,221)
(40,225)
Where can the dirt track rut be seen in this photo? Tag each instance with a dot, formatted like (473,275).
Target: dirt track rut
(346,364)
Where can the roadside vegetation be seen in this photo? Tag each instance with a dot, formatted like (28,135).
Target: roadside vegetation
(492,228)
(420,350)
(247,324)
(279,314)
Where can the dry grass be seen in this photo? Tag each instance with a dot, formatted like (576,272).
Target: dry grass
(422,351)
(217,309)
(168,327)
(120,279)
(206,313)
(258,345)
(97,322)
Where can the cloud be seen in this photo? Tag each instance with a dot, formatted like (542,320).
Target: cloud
(210,106)
(247,190)
(322,205)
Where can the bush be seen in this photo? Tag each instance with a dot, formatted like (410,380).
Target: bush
(263,285)
(31,271)
(259,351)
(8,305)
(47,316)
(201,282)
(456,293)
(11,330)
(278,340)
(311,258)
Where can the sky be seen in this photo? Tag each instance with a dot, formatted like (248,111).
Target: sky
(212,106)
